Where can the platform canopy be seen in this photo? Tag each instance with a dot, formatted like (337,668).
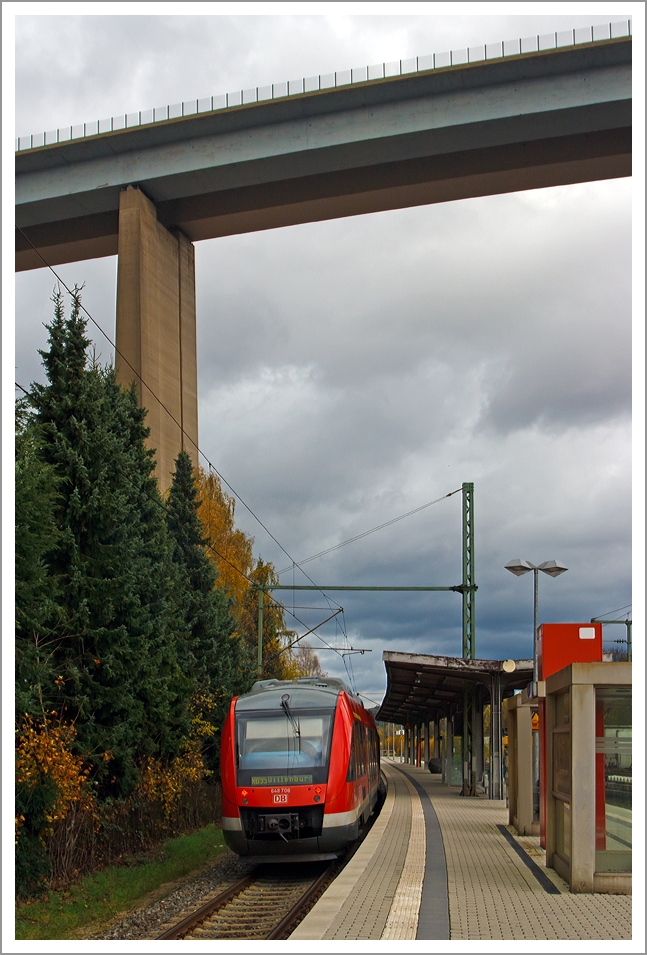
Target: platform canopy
(419,685)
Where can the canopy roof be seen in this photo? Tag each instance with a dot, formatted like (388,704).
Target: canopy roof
(418,684)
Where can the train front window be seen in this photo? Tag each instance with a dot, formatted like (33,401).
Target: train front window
(275,751)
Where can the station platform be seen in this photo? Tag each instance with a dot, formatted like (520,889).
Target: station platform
(438,866)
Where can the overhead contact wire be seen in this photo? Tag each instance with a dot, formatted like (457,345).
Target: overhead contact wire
(372,530)
(210,547)
(171,416)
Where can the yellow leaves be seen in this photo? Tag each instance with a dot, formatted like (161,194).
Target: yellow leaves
(200,724)
(44,750)
(201,727)
(230,549)
(107,756)
(167,782)
(59,681)
(229,545)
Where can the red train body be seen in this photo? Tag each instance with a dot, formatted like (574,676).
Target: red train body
(300,769)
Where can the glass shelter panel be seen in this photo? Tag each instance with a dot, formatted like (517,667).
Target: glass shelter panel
(561,771)
(613,776)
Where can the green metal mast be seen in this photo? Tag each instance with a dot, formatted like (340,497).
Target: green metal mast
(469,587)
(469,641)
(259,664)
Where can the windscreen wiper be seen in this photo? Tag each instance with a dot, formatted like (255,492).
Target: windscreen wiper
(288,712)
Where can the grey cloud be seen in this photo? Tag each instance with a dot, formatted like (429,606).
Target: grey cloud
(73,69)
(352,370)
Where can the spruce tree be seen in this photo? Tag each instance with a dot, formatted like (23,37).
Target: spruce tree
(209,655)
(36,590)
(117,624)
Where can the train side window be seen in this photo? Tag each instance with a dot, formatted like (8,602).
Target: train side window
(350,775)
(364,751)
(358,752)
(361,732)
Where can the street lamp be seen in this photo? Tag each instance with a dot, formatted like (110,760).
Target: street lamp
(551,567)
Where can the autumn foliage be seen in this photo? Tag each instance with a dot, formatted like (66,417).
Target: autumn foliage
(136,623)
(240,576)
(44,753)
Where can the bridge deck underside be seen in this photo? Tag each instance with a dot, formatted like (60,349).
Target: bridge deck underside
(525,123)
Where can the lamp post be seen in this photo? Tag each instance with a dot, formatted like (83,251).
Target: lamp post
(551,567)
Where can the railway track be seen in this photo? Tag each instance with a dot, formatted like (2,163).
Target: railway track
(265,904)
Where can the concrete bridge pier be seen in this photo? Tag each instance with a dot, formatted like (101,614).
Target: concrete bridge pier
(156,331)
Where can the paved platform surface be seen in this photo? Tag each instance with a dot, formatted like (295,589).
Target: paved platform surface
(437,866)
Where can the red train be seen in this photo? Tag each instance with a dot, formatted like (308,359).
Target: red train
(300,769)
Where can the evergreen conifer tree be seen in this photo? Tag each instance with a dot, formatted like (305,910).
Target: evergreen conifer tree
(118,623)
(209,655)
(36,590)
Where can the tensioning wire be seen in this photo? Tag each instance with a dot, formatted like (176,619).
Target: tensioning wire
(213,550)
(372,530)
(74,296)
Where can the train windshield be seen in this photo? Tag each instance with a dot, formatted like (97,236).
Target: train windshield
(277,750)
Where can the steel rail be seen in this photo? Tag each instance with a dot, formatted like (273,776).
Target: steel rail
(187,924)
(298,906)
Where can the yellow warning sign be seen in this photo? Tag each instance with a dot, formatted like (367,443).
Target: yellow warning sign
(535,721)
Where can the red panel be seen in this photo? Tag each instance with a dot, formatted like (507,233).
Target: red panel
(339,755)
(560,644)
(227,765)
(281,797)
(541,709)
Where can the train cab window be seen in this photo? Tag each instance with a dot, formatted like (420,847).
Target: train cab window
(270,747)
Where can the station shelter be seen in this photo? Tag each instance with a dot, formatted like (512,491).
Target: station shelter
(589,776)
(570,776)
(451,710)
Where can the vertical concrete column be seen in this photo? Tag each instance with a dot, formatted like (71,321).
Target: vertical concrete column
(582,787)
(156,344)
(548,717)
(449,756)
(519,766)
(478,733)
(496,787)
(509,706)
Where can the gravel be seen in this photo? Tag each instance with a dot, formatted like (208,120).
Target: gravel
(174,900)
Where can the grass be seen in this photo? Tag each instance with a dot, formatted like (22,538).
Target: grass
(98,897)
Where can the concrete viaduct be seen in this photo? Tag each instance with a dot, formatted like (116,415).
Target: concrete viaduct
(147,193)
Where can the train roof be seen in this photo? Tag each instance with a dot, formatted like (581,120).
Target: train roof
(304,691)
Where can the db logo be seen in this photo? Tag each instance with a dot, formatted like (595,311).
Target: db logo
(282,797)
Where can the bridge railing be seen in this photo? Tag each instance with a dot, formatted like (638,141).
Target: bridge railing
(310,84)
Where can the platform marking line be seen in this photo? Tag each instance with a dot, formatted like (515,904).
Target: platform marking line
(320,918)
(492,894)
(543,879)
(402,922)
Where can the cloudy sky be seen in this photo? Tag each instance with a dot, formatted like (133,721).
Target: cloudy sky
(352,370)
